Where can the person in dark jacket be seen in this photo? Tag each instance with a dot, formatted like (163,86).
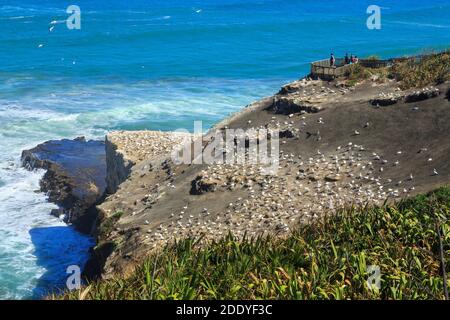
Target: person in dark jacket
(332,60)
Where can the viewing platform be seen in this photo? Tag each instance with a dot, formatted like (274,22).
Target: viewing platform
(323,70)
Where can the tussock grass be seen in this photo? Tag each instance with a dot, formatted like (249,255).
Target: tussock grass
(432,69)
(357,72)
(325,260)
(411,72)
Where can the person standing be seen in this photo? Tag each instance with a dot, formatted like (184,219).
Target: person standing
(332,60)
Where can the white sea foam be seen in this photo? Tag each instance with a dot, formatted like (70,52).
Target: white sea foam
(24,257)
(35,247)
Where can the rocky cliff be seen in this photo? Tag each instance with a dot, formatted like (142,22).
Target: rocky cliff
(74,178)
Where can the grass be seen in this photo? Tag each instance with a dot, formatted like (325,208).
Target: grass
(326,260)
(432,69)
(357,72)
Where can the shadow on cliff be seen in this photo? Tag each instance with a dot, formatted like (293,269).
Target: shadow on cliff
(57,248)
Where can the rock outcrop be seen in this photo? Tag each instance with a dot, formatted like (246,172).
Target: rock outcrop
(75,177)
(124,149)
(387,99)
(286,105)
(420,95)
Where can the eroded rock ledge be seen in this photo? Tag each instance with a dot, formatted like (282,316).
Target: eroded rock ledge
(75,177)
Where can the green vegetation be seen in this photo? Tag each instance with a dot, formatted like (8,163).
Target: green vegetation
(357,72)
(432,69)
(373,57)
(325,260)
(108,223)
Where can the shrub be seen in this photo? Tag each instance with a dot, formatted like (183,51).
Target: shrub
(432,69)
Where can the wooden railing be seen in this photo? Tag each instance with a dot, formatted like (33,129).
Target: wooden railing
(322,68)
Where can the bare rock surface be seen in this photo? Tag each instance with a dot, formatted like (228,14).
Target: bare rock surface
(75,177)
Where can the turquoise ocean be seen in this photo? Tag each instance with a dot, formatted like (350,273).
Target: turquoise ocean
(159,65)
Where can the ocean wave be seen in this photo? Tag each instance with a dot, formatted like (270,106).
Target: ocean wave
(22,210)
(420,24)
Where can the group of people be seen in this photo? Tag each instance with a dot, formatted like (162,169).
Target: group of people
(347,60)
